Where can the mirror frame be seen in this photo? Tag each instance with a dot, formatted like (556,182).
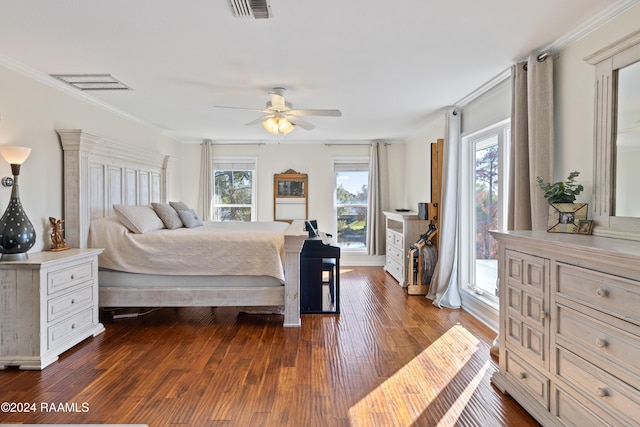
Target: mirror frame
(607,62)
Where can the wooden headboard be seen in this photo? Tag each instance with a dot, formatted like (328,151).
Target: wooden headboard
(99,173)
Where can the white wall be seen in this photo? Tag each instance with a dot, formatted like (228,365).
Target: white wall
(574,100)
(314,159)
(417,172)
(30,111)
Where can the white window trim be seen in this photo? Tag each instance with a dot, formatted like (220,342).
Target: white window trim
(479,302)
(254,190)
(334,215)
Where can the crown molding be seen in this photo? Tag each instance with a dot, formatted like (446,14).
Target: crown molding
(70,90)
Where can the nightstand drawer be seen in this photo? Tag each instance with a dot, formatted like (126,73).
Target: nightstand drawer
(615,295)
(70,276)
(529,378)
(63,305)
(59,332)
(604,390)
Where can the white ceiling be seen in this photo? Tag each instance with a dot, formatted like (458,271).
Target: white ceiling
(387,65)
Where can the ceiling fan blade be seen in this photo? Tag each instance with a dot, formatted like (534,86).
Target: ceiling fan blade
(277,101)
(299,122)
(241,108)
(316,112)
(258,120)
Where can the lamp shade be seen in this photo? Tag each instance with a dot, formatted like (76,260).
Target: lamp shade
(15,155)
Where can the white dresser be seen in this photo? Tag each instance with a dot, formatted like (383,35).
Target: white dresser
(48,304)
(570,327)
(403,229)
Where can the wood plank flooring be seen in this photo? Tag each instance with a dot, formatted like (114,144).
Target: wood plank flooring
(388,359)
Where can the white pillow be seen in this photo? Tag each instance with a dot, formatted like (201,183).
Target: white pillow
(138,219)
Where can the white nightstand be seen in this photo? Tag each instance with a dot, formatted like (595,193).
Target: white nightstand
(48,304)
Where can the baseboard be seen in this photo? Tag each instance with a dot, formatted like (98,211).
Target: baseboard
(362,260)
(483,311)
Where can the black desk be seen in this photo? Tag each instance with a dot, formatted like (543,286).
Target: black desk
(317,295)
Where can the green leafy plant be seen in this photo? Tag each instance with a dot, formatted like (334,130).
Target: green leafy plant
(561,191)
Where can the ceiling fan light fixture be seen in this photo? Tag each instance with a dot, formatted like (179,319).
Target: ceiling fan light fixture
(276,125)
(285,126)
(271,125)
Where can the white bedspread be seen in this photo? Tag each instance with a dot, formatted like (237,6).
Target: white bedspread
(217,248)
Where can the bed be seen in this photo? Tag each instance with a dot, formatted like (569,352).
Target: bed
(100,174)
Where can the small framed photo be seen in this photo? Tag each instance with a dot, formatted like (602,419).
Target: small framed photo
(585,227)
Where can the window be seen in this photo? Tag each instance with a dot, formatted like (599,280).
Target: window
(483,207)
(351,203)
(234,189)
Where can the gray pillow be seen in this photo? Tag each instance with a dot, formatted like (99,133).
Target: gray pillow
(190,218)
(168,215)
(179,206)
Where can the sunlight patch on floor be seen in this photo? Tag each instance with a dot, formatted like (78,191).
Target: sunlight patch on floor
(410,392)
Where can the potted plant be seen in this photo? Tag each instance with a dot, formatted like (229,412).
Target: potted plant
(564,214)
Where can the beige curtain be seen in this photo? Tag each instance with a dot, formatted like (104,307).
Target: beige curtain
(531,142)
(378,198)
(205,194)
(444,290)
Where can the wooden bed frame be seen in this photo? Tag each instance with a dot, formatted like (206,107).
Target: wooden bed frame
(99,173)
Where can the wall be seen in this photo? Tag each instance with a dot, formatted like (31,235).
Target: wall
(314,159)
(30,111)
(574,100)
(418,163)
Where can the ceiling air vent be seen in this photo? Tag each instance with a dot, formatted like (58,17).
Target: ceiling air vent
(92,81)
(257,9)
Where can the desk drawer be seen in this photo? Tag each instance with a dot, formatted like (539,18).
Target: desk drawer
(69,276)
(615,295)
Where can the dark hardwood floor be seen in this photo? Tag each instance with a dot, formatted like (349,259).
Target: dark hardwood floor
(387,360)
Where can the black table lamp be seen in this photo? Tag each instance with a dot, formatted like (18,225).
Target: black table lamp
(17,234)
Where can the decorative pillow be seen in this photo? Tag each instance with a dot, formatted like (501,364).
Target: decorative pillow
(179,206)
(190,218)
(138,219)
(168,215)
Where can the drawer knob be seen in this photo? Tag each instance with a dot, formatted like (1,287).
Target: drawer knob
(73,301)
(73,276)
(544,315)
(602,292)
(602,392)
(522,375)
(73,326)
(601,342)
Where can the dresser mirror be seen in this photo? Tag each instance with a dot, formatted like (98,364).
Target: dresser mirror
(616,204)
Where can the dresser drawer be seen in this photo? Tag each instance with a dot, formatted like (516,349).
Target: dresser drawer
(64,305)
(574,413)
(599,387)
(395,254)
(605,292)
(395,269)
(600,342)
(394,238)
(529,378)
(69,276)
(59,332)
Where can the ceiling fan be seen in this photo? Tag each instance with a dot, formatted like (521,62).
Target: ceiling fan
(281,117)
